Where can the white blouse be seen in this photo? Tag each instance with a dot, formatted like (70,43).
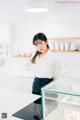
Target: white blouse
(46,66)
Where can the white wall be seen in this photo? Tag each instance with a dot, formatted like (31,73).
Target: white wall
(61,21)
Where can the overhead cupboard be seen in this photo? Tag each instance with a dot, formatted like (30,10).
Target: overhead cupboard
(67,44)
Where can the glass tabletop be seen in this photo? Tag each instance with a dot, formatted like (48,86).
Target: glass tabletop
(64,85)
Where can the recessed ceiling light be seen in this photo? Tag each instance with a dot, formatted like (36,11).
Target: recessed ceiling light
(36,10)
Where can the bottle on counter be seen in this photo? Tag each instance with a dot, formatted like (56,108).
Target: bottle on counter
(4,116)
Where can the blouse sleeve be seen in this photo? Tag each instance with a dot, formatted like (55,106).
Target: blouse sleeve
(57,69)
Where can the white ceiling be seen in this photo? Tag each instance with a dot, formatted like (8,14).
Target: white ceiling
(19,6)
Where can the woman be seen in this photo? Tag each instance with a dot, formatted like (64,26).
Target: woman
(44,64)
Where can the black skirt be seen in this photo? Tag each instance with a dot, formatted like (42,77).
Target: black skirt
(38,84)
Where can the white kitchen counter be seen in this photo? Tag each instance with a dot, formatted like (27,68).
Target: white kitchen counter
(17,72)
(16,79)
(16,66)
(11,102)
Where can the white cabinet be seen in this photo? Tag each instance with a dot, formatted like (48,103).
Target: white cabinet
(16,82)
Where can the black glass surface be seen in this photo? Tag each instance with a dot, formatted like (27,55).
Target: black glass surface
(29,112)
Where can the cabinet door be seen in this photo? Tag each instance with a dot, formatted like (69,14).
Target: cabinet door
(18,83)
(26,84)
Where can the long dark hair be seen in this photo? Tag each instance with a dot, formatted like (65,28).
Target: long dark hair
(38,36)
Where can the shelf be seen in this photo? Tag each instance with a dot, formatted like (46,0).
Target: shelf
(65,51)
(64,44)
(64,38)
(71,51)
(73,100)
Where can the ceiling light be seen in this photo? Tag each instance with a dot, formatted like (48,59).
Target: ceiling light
(37,10)
(37,6)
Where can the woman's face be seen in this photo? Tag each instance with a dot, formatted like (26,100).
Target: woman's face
(41,46)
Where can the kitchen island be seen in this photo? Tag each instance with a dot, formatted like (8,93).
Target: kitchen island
(16,81)
(11,102)
(16,74)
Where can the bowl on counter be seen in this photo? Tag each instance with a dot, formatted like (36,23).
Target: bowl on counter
(73,46)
